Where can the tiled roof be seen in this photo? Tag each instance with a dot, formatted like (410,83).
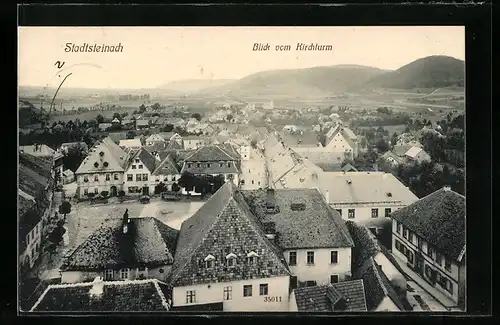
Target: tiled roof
(316,226)
(296,139)
(31,182)
(37,150)
(130,143)
(29,217)
(113,155)
(193,137)
(166,135)
(211,153)
(147,242)
(377,286)
(401,150)
(216,306)
(332,167)
(365,245)
(174,145)
(146,158)
(223,225)
(166,167)
(122,296)
(357,187)
(155,137)
(413,152)
(438,218)
(325,298)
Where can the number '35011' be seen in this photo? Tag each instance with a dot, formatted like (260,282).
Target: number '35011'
(272,299)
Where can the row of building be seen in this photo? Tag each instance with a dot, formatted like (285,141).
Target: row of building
(264,250)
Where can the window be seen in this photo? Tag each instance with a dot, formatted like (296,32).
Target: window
(157,178)
(439,259)
(96,178)
(253,182)
(334,257)
(410,236)
(133,167)
(310,258)
(198,165)
(447,264)
(209,264)
(220,165)
(310,283)
(242,182)
(263,289)
(405,232)
(247,290)
(108,177)
(374,213)
(351,214)
(409,256)
(144,177)
(96,190)
(420,242)
(189,165)
(292,258)
(339,211)
(190,297)
(85,191)
(449,286)
(137,161)
(398,227)
(228,164)
(231,261)
(430,251)
(138,177)
(334,278)
(141,269)
(387,212)
(108,275)
(173,178)
(140,166)
(228,293)
(115,177)
(124,273)
(208,165)
(85,178)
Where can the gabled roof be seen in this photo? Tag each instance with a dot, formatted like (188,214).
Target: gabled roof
(166,167)
(377,286)
(211,153)
(324,298)
(123,296)
(112,154)
(438,218)
(358,187)
(223,225)
(148,242)
(315,225)
(300,139)
(130,143)
(365,245)
(155,137)
(413,152)
(146,158)
(37,150)
(174,145)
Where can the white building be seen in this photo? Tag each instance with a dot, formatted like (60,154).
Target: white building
(138,171)
(418,155)
(366,198)
(223,256)
(130,143)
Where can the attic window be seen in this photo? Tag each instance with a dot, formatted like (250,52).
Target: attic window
(349,181)
(96,164)
(101,153)
(389,194)
(105,164)
(231,259)
(298,206)
(252,258)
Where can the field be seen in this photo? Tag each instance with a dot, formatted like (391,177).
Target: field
(90,115)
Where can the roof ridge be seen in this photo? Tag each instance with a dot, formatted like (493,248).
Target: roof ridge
(378,276)
(223,151)
(164,301)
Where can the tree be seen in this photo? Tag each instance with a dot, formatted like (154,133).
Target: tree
(160,188)
(117,115)
(73,157)
(196,116)
(65,208)
(131,135)
(175,187)
(142,108)
(188,181)
(155,114)
(121,194)
(99,118)
(383,110)
(382,145)
(394,138)
(229,117)
(156,106)
(104,194)
(168,128)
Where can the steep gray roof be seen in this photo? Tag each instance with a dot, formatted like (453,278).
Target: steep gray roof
(112,154)
(438,218)
(211,153)
(166,167)
(224,225)
(123,296)
(314,226)
(147,242)
(324,298)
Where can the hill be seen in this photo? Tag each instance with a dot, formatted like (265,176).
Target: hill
(193,85)
(29,114)
(429,72)
(318,81)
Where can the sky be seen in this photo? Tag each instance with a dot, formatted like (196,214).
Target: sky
(154,56)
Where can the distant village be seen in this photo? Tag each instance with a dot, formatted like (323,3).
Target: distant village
(320,216)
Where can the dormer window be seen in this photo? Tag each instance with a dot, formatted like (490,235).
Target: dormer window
(252,258)
(209,261)
(189,165)
(231,259)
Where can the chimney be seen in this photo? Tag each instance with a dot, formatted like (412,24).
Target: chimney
(125,222)
(270,200)
(97,287)
(447,188)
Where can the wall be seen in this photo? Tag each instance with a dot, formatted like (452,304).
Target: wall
(140,184)
(33,245)
(387,305)
(338,144)
(253,170)
(461,285)
(193,144)
(322,269)
(397,279)
(453,276)
(101,185)
(293,303)
(277,287)
(134,273)
(168,180)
